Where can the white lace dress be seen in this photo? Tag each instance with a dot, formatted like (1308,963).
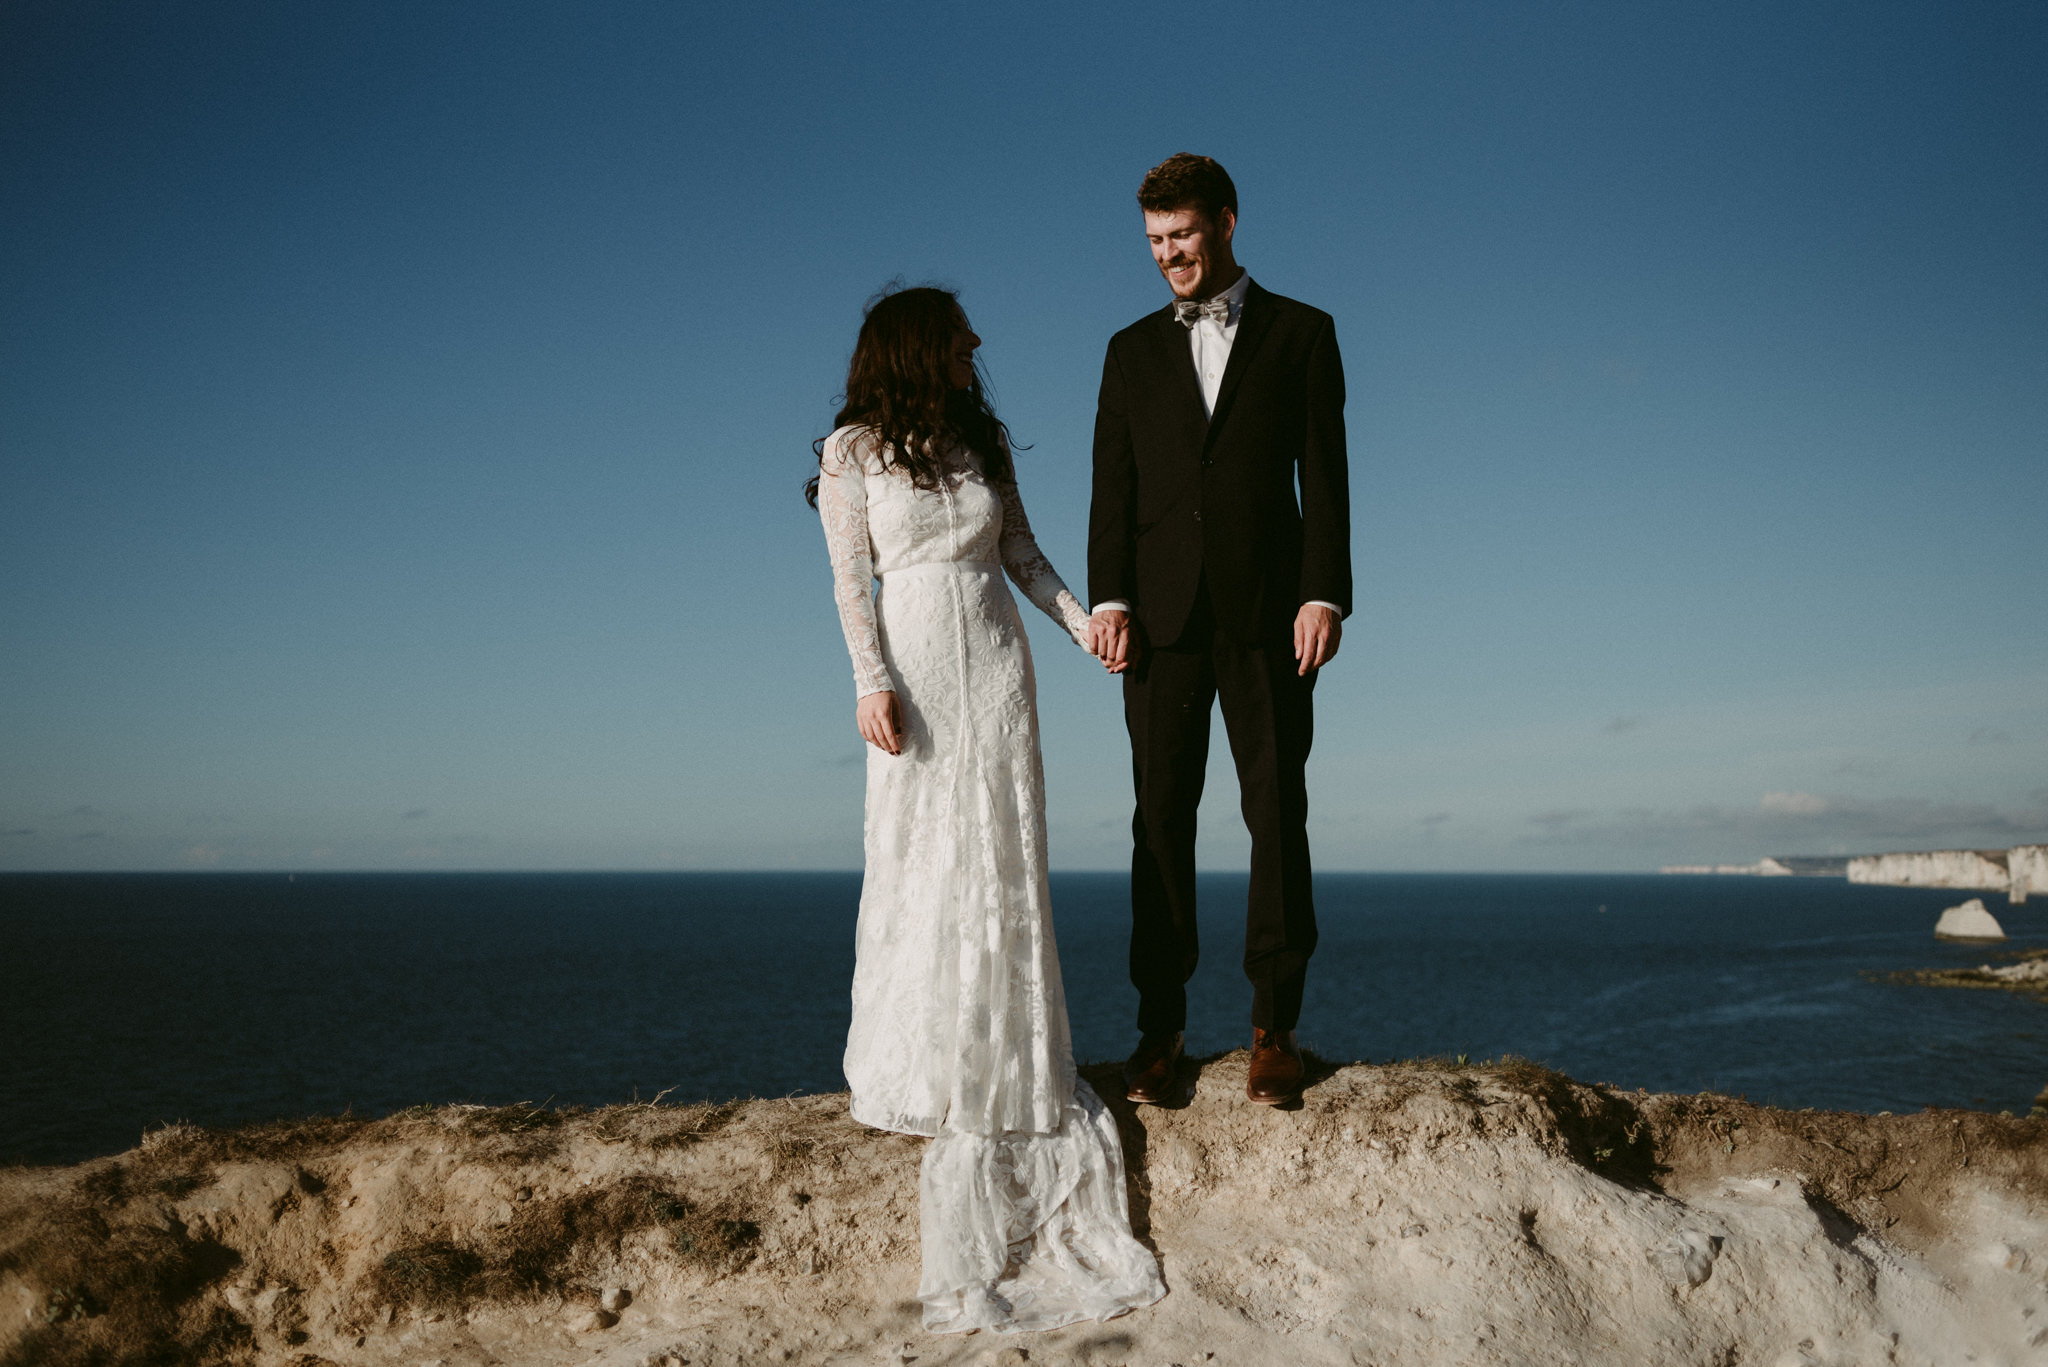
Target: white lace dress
(959,1021)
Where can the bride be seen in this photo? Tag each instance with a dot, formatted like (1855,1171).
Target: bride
(959,1021)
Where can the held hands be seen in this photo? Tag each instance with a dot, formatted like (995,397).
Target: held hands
(880,719)
(1317,630)
(1109,639)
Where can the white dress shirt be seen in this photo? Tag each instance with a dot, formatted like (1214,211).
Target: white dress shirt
(1209,342)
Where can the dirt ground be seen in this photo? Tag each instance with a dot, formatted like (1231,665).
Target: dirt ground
(1423,1213)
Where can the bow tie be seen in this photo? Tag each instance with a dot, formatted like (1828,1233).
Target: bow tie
(1217,310)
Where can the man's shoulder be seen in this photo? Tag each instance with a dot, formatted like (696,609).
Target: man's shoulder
(1292,310)
(1139,328)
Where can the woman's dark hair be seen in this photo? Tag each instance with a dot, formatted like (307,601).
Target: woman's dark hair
(899,388)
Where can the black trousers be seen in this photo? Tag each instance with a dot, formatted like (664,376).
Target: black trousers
(1267,713)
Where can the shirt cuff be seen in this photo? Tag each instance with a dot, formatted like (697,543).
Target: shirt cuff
(1322,603)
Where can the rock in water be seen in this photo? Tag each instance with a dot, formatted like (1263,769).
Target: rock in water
(1969,922)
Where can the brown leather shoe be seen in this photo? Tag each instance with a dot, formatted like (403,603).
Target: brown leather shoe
(1149,1075)
(1275,1075)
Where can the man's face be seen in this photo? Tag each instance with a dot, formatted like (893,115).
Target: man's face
(1192,251)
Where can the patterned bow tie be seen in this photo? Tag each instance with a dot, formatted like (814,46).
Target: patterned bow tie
(1217,310)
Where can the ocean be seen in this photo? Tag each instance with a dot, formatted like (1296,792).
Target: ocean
(130,1000)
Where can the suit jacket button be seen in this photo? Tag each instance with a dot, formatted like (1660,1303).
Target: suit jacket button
(1198,514)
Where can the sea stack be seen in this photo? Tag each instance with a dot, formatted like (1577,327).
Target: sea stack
(1970,921)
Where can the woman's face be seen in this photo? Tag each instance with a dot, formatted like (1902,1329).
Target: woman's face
(960,360)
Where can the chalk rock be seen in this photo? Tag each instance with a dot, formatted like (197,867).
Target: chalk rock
(2032,971)
(615,1299)
(2011,1257)
(1970,921)
(1687,1258)
(2027,867)
(594,1321)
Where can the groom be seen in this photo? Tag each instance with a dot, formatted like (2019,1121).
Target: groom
(1210,580)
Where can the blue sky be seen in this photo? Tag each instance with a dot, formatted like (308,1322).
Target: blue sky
(403,410)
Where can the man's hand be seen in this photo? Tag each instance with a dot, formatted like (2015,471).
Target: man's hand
(1109,639)
(880,719)
(1317,630)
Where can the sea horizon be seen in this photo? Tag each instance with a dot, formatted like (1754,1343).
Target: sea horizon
(223,998)
(737,871)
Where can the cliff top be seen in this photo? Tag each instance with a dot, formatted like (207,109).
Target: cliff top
(1403,1214)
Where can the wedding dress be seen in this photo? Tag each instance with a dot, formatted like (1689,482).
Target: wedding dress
(959,1021)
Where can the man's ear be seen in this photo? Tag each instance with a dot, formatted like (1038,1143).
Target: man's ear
(1228,218)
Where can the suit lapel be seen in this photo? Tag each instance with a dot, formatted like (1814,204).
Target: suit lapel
(1178,358)
(1253,321)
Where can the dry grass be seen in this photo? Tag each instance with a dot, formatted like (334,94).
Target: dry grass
(553,1247)
(122,1280)
(113,1290)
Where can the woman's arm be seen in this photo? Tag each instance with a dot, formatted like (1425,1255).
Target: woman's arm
(843,508)
(1032,572)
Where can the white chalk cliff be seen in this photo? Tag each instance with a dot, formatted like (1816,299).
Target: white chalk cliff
(1984,869)
(2027,867)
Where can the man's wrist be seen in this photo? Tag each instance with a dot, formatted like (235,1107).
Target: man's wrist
(1113,605)
(1320,603)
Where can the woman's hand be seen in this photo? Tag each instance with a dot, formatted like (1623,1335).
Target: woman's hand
(1109,639)
(880,719)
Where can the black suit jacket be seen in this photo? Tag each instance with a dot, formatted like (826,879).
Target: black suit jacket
(1179,497)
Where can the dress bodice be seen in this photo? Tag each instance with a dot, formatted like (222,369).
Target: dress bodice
(877,522)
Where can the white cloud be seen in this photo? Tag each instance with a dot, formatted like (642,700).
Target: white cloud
(1801,823)
(1793,804)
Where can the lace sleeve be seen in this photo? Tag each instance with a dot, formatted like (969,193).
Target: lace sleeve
(843,507)
(1032,572)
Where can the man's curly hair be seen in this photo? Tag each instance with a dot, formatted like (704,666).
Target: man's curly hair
(1186,181)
